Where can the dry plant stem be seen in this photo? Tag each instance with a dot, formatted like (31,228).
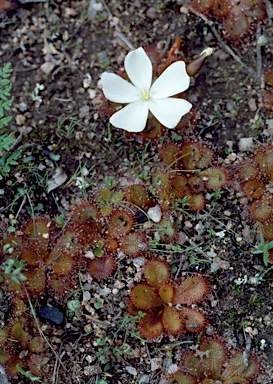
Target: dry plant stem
(269,10)
(259,52)
(107,8)
(118,32)
(39,328)
(71,62)
(99,322)
(223,45)
(3,24)
(17,140)
(54,73)
(57,364)
(125,40)
(56,369)
(181,261)
(166,46)
(31,1)
(179,267)
(199,249)
(31,208)
(20,208)
(148,351)
(246,352)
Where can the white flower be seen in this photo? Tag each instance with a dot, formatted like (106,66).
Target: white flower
(141,97)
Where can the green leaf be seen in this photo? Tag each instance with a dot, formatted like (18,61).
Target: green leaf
(98,303)
(5,99)
(4,122)
(28,374)
(54,156)
(6,142)
(73,305)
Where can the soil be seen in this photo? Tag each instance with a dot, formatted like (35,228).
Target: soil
(58,125)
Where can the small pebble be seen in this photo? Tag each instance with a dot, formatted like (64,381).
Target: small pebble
(3,376)
(263,344)
(144,379)
(47,67)
(86,296)
(20,119)
(104,291)
(92,93)
(84,111)
(214,267)
(188,224)
(213,303)
(172,369)
(269,123)
(50,313)
(252,105)
(231,157)
(151,13)
(246,144)
(131,370)
(89,255)
(229,143)
(156,363)
(23,107)
(69,12)
(182,238)
(155,214)
(224,264)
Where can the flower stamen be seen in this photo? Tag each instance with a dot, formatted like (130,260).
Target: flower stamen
(145,95)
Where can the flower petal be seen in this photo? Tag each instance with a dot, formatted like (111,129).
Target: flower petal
(169,111)
(117,89)
(172,81)
(132,118)
(139,69)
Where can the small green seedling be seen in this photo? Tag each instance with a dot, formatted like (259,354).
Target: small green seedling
(108,181)
(66,126)
(14,267)
(98,303)
(60,220)
(217,193)
(7,161)
(28,374)
(73,307)
(172,346)
(263,247)
(13,221)
(261,275)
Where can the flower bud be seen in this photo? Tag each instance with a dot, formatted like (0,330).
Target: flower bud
(194,67)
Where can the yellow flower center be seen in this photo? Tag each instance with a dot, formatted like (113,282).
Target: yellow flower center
(145,94)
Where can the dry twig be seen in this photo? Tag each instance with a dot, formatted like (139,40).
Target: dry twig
(117,29)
